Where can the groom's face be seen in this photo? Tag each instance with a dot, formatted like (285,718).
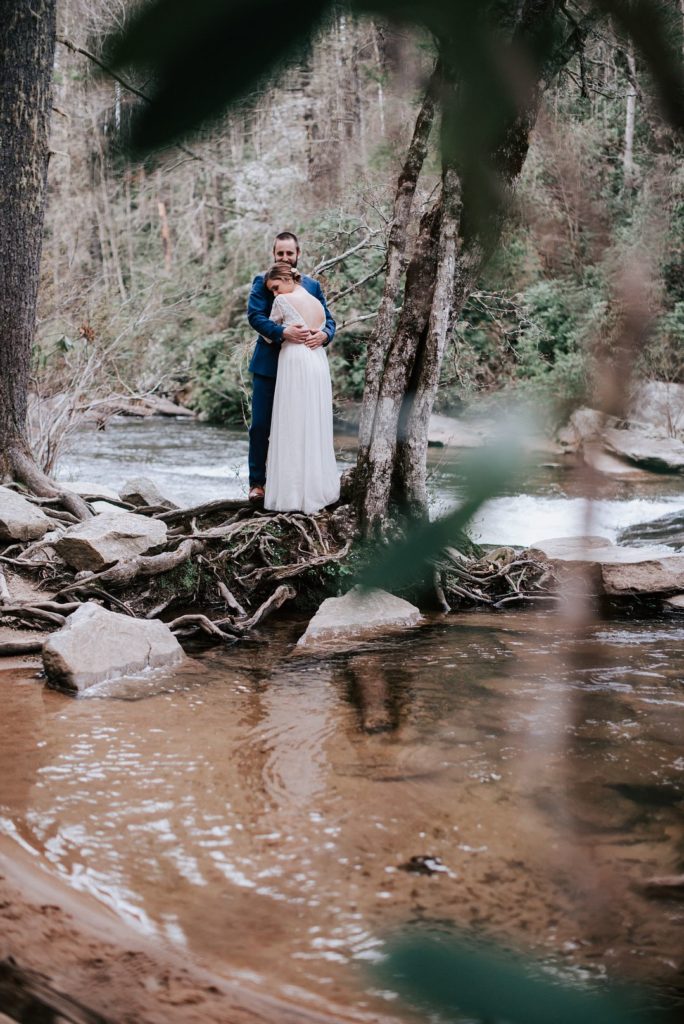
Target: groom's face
(285,251)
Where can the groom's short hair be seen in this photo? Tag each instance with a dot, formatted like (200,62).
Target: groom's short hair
(284,235)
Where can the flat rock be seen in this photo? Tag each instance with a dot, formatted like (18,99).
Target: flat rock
(358,613)
(20,519)
(96,645)
(595,455)
(613,570)
(141,491)
(662,454)
(674,603)
(109,537)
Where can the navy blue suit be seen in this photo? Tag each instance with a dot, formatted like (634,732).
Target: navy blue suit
(264,366)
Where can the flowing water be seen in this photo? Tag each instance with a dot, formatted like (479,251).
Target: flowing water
(262,809)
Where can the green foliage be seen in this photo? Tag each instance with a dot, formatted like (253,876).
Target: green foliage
(183,582)
(220,372)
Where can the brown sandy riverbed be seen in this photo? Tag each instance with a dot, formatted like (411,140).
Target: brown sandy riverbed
(87,952)
(247,819)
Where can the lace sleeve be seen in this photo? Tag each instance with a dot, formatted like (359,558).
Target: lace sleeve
(277,314)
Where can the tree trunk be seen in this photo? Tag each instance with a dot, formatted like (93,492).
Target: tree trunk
(27,46)
(454,244)
(396,246)
(628,166)
(411,475)
(376,463)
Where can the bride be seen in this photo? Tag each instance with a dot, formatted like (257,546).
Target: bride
(301,474)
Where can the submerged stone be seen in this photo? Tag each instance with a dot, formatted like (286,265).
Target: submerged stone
(356,614)
(96,645)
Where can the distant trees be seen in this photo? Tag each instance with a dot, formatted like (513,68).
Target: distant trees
(456,237)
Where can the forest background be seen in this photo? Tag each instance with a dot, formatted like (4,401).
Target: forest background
(147,265)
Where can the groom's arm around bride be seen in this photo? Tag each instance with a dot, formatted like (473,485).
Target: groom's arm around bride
(264,362)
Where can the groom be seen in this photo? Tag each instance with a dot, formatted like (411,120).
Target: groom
(264,363)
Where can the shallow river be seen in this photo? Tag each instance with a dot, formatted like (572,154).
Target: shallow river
(259,808)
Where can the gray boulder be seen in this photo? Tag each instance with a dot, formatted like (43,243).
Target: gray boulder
(358,614)
(584,425)
(667,529)
(661,404)
(612,570)
(141,491)
(110,537)
(96,645)
(662,454)
(20,519)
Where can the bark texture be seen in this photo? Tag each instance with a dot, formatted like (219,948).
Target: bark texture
(376,464)
(396,248)
(455,241)
(27,40)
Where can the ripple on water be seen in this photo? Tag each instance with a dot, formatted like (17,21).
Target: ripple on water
(260,811)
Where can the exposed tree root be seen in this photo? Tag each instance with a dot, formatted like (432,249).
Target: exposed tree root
(228,565)
(275,601)
(10,648)
(18,463)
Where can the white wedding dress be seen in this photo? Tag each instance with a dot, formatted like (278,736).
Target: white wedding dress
(301,473)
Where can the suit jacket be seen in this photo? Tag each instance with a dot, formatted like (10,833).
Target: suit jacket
(265,356)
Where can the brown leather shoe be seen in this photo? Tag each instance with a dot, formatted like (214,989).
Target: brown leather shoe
(256,494)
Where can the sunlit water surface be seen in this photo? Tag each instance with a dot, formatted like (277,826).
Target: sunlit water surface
(259,808)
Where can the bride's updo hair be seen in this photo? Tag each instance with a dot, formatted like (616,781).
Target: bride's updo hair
(283,272)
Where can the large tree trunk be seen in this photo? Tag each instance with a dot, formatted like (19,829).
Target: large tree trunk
(376,464)
(396,246)
(411,464)
(27,47)
(27,41)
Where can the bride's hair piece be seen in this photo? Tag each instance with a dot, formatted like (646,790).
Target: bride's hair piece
(283,272)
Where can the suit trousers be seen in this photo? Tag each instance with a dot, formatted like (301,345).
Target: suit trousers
(263,390)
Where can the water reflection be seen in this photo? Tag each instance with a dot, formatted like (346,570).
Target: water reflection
(260,810)
(378,697)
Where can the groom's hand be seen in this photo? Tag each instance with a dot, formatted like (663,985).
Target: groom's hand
(316,339)
(296,333)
